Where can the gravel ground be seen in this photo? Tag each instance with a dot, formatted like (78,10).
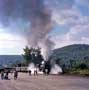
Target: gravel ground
(41,82)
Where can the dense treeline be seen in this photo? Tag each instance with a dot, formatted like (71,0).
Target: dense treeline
(73,58)
(71,55)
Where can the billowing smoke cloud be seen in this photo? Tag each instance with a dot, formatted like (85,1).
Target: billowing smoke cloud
(59,4)
(34,12)
(32,18)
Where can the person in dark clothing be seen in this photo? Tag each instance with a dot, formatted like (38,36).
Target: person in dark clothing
(6,74)
(29,72)
(15,75)
(2,75)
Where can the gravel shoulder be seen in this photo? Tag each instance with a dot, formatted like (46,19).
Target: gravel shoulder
(41,82)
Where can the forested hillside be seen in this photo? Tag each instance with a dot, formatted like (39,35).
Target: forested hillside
(72,53)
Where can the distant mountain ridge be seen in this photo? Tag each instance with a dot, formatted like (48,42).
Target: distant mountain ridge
(9,59)
(79,52)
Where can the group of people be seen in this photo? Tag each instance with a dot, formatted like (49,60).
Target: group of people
(5,74)
(35,72)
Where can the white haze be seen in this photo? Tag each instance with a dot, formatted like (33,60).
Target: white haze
(31,67)
(56,69)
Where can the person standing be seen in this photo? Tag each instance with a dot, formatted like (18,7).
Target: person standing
(15,75)
(2,75)
(6,74)
(35,72)
(29,72)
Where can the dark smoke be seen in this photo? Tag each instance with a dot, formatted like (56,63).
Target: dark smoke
(12,10)
(34,12)
(24,9)
(34,17)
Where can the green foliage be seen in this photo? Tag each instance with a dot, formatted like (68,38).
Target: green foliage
(84,72)
(82,66)
(73,59)
(27,55)
(72,55)
(32,55)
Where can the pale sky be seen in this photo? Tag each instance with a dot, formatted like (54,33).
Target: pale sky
(71,25)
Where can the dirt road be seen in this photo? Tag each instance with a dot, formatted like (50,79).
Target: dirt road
(26,82)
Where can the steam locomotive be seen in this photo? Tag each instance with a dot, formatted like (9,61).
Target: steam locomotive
(45,67)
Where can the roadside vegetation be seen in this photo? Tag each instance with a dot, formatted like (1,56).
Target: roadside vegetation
(81,69)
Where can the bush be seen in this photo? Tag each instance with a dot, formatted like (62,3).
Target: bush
(82,66)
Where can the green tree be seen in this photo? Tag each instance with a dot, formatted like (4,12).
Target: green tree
(27,55)
(32,56)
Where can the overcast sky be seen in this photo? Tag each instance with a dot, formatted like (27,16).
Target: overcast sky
(70,19)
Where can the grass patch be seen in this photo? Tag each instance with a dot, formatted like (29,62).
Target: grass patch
(84,72)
